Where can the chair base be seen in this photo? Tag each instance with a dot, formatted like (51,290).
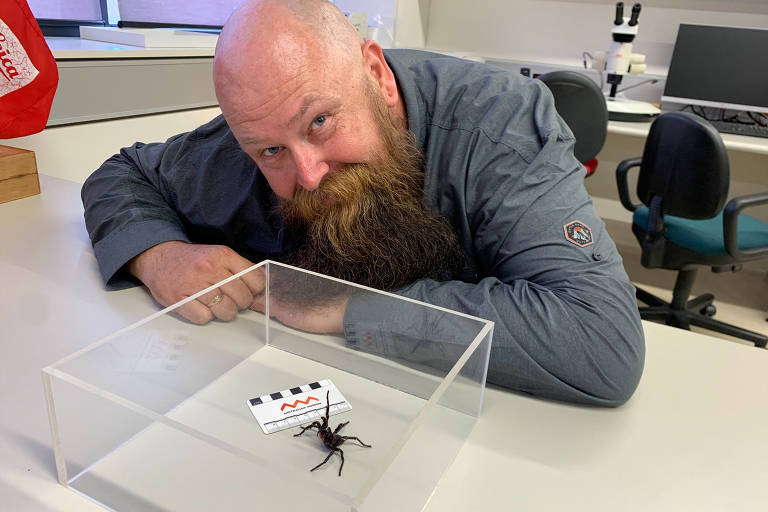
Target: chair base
(683,313)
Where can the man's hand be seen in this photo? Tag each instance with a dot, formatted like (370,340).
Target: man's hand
(325,319)
(175,270)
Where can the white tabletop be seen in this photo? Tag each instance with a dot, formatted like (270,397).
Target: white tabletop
(733,142)
(692,438)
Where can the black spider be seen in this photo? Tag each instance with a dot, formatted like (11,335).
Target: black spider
(331,439)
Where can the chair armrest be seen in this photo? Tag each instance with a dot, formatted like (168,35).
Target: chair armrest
(621,181)
(731,228)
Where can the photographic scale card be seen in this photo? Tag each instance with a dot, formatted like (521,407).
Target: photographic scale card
(297,406)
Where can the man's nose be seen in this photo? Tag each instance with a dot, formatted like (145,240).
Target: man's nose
(310,167)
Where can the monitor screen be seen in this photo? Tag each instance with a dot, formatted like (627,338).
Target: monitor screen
(724,67)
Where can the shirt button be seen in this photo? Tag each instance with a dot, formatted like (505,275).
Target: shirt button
(597,256)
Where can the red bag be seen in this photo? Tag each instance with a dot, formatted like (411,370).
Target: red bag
(28,73)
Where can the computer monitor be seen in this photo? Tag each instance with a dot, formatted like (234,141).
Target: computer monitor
(722,67)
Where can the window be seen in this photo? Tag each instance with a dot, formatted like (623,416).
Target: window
(79,10)
(204,13)
(62,18)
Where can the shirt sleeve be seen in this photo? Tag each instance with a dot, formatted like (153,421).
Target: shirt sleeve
(126,211)
(197,187)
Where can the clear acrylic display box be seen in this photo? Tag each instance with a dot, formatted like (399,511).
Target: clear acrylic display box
(155,417)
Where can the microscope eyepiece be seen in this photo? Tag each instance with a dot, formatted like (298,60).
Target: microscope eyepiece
(619,14)
(635,14)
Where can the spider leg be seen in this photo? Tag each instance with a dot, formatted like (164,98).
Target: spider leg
(341,452)
(346,438)
(324,460)
(339,426)
(304,429)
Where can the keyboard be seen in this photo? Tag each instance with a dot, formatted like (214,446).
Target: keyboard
(751,130)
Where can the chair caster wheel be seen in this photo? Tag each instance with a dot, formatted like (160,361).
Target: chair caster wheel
(709,310)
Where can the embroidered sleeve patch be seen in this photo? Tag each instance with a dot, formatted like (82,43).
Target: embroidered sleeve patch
(578,233)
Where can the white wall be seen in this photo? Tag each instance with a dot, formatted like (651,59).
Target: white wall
(557,32)
(405,20)
(384,8)
(73,152)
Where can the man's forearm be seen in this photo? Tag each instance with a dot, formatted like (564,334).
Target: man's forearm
(158,256)
(546,343)
(125,213)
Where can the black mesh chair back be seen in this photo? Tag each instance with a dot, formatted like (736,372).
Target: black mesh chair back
(686,164)
(581,104)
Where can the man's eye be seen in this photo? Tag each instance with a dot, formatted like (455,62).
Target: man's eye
(319,121)
(271,151)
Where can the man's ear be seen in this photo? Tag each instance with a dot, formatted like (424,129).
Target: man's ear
(377,68)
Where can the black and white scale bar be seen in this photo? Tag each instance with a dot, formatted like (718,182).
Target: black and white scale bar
(296,406)
(288,392)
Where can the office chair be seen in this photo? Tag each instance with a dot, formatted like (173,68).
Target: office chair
(681,223)
(581,104)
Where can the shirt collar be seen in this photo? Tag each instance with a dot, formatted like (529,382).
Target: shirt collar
(413,100)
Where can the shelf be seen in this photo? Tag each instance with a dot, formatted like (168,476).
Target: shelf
(73,48)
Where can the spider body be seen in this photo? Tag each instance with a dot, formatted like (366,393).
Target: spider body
(330,438)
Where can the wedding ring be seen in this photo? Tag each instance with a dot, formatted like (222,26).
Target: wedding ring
(218,298)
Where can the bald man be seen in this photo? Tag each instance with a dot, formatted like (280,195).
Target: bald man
(442,180)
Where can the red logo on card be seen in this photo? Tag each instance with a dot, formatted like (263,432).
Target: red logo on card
(297,402)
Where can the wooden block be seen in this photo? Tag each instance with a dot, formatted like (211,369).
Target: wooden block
(18,174)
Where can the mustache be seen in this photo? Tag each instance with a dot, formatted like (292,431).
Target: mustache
(348,185)
(344,186)
(338,209)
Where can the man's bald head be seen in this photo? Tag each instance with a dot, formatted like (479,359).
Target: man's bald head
(268,42)
(319,111)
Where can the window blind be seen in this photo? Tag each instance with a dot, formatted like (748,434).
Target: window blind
(177,12)
(83,10)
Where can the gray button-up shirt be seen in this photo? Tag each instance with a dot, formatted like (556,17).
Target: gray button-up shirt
(500,168)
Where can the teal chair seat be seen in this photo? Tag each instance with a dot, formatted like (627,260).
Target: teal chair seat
(706,236)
